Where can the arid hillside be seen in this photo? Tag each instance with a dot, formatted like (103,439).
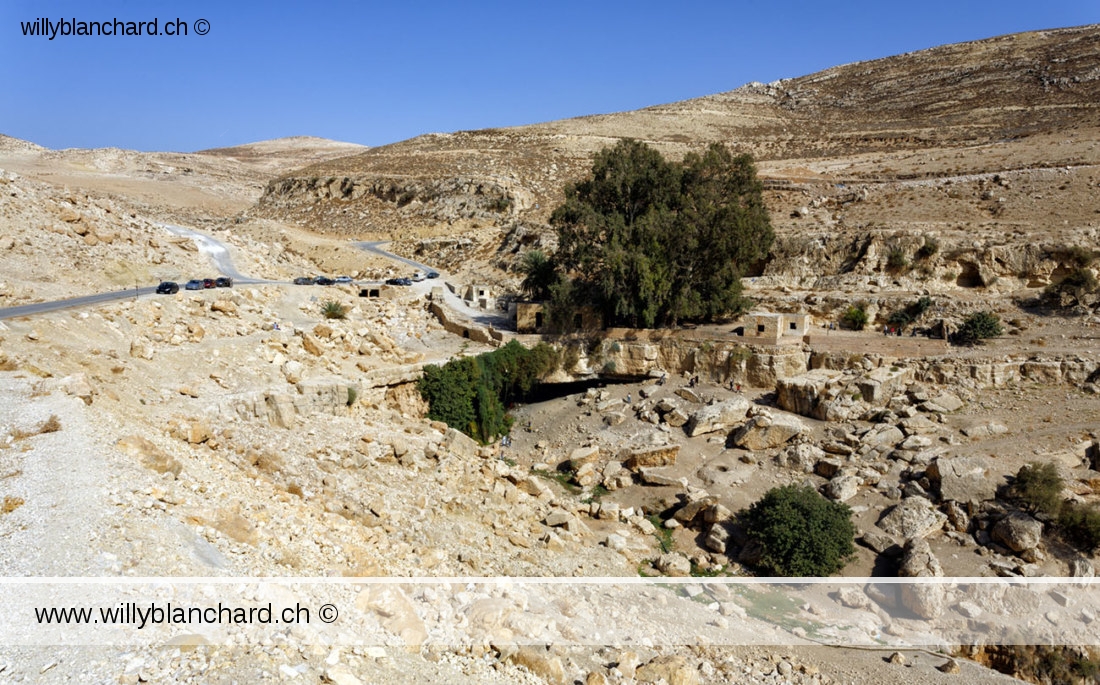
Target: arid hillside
(985,145)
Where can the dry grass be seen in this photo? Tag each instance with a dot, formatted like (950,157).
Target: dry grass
(10,504)
(7,364)
(50,425)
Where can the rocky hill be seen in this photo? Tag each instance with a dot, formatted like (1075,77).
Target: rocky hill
(990,146)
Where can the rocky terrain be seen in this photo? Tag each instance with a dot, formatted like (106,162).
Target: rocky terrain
(241,433)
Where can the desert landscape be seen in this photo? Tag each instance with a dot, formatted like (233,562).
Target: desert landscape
(240,432)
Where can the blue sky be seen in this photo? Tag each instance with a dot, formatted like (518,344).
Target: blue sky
(375,73)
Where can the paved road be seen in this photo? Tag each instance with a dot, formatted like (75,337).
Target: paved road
(214,249)
(99,298)
(493,319)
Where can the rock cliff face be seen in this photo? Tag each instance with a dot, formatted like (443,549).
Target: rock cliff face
(715,361)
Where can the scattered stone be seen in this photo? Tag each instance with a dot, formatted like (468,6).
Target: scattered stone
(926,600)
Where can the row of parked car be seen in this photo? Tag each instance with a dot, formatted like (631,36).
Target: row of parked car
(416,278)
(171,287)
(322,280)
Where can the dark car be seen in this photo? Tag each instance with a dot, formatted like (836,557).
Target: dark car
(303,280)
(193,284)
(168,288)
(224,282)
(208,283)
(433,274)
(324,280)
(398,281)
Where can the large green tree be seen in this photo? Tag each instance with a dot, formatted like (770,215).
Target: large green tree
(653,242)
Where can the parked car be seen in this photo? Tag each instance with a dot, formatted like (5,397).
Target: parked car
(303,280)
(343,279)
(398,281)
(193,284)
(324,280)
(224,282)
(168,288)
(209,283)
(433,274)
(418,276)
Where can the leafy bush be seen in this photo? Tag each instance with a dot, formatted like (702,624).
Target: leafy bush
(331,309)
(1038,487)
(1080,524)
(471,394)
(353,394)
(977,327)
(854,318)
(801,533)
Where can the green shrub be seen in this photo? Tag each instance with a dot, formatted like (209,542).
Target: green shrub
(1076,255)
(331,309)
(353,394)
(854,318)
(911,312)
(801,533)
(1038,487)
(896,259)
(930,247)
(1080,524)
(977,327)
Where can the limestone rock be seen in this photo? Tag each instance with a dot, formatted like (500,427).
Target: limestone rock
(141,348)
(1019,532)
(583,455)
(150,455)
(913,517)
(962,479)
(718,417)
(765,431)
(541,663)
(924,600)
(662,455)
(674,564)
(77,385)
(673,670)
(843,488)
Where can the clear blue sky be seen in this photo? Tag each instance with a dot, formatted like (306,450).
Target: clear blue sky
(379,72)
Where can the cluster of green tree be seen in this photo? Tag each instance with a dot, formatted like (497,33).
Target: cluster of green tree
(471,394)
(800,532)
(653,243)
(1038,489)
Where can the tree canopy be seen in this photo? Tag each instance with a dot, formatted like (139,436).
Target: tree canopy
(653,242)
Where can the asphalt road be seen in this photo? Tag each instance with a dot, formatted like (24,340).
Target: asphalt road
(214,249)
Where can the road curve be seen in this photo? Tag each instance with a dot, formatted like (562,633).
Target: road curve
(218,253)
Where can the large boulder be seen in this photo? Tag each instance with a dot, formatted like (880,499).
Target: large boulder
(1018,532)
(962,479)
(720,416)
(879,385)
(767,430)
(662,455)
(803,393)
(913,517)
(927,600)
